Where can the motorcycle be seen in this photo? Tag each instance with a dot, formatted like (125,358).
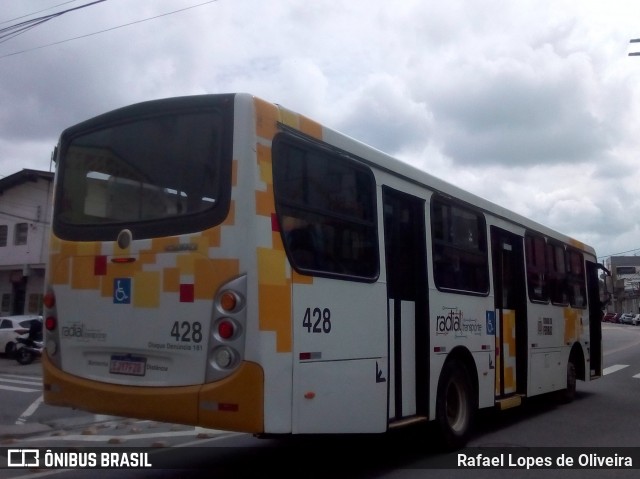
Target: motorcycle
(27,350)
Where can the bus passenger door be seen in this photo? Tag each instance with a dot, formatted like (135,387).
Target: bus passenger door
(511,313)
(407,304)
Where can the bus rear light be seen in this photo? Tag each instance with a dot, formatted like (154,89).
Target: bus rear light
(49,300)
(52,347)
(224,357)
(228,301)
(226,329)
(50,323)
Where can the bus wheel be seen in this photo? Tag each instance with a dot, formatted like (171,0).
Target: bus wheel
(570,392)
(455,405)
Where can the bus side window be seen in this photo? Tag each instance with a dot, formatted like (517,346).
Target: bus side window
(302,247)
(576,283)
(459,248)
(536,267)
(557,273)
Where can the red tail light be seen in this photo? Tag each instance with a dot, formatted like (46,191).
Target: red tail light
(226,329)
(50,323)
(49,300)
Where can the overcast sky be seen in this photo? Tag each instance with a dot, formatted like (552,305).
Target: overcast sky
(532,104)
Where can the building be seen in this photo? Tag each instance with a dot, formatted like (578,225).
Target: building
(625,275)
(25,220)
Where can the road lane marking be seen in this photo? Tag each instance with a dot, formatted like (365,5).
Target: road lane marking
(18,389)
(637,376)
(614,368)
(22,376)
(20,381)
(30,410)
(124,437)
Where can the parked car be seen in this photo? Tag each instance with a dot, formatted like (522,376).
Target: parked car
(612,317)
(13,326)
(626,318)
(636,319)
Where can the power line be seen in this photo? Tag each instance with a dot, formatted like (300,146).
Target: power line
(107,30)
(619,254)
(39,11)
(4,213)
(12,31)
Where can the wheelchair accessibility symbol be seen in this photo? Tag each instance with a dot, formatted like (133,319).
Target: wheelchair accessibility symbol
(491,323)
(122,291)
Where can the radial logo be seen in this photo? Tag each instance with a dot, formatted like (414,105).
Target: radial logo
(454,322)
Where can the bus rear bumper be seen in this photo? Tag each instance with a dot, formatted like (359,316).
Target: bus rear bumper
(234,403)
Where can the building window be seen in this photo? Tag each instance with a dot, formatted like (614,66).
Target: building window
(6,303)
(35,303)
(21,233)
(3,235)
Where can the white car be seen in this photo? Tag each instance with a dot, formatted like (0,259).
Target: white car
(626,318)
(13,326)
(636,319)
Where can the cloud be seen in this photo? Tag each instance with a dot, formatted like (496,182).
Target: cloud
(533,104)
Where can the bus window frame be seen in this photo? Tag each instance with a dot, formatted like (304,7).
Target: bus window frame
(579,278)
(444,246)
(174,225)
(557,280)
(539,268)
(289,210)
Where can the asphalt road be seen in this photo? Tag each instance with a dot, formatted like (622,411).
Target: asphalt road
(604,414)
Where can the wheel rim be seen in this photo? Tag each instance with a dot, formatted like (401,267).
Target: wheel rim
(24,355)
(456,407)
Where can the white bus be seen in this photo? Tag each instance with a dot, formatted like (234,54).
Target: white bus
(221,261)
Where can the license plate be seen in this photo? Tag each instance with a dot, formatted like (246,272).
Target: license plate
(128,365)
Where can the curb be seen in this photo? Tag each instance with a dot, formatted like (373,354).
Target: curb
(12,431)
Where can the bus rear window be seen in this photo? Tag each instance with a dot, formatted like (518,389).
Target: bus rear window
(167,170)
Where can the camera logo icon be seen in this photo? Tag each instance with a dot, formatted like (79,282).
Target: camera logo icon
(23,458)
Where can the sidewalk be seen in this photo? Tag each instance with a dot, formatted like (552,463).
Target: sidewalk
(9,432)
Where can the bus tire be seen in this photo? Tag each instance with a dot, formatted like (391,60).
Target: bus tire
(569,393)
(455,405)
